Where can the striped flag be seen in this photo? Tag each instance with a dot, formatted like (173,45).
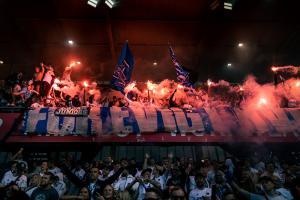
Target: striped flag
(123,71)
(183,74)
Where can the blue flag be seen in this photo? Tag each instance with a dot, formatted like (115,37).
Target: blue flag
(123,71)
(183,74)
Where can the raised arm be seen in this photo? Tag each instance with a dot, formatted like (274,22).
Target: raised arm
(72,177)
(145,164)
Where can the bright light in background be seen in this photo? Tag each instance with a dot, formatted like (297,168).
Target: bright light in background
(240,44)
(154,63)
(262,101)
(110,3)
(150,85)
(180,86)
(130,86)
(227,6)
(85,84)
(274,69)
(229,65)
(93,3)
(56,80)
(1,62)
(241,89)
(298,84)
(74,63)
(71,42)
(209,82)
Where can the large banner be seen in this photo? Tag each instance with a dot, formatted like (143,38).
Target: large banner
(131,122)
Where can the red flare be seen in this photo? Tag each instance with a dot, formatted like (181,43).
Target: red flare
(274,69)
(85,84)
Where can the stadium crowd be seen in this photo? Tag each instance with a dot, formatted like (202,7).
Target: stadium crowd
(45,89)
(257,177)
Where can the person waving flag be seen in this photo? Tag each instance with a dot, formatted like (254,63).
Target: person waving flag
(183,74)
(123,71)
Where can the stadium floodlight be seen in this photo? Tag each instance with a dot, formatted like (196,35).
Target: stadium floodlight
(110,3)
(70,42)
(227,6)
(93,3)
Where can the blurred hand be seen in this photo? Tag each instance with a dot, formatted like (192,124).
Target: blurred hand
(21,150)
(147,156)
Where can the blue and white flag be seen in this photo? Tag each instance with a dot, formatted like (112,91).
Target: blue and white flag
(123,71)
(183,74)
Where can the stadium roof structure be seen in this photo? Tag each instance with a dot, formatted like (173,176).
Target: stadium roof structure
(205,36)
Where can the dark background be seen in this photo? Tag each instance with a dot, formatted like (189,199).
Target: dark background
(204,39)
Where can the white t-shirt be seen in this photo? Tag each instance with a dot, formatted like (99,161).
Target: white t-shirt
(141,188)
(192,183)
(60,187)
(8,178)
(54,170)
(48,76)
(22,182)
(79,173)
(162,182)
(123,182)
(199,194)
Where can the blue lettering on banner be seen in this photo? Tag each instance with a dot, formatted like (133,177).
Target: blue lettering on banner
(174,116)
(131,120)
(236,120)
(89,127)
(160,122)
(138,120)
(60,122)
(106,120)
(205,120)
(25,121)
(188,119)
(269,124)
(227,114)
(289,115)
(74,126)
(41,126)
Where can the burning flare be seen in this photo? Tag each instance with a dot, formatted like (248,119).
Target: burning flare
(274,69)
(262,102)
(209,82)
(150,85)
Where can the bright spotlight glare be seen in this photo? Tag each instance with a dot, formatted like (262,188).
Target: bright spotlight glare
(85,84)
(240,44)
(154,63)
(1,62)
(229,64)
(109,3)
(274,69)
(262,101)
(92,3)
(209,82)
(70,42)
